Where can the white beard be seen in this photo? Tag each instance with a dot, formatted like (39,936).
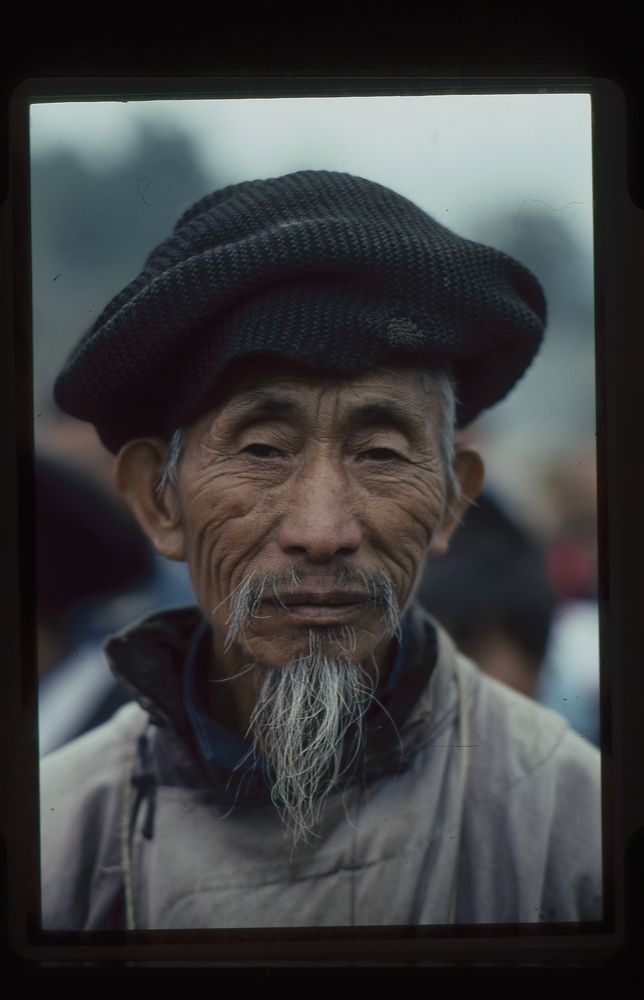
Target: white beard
(298,724)
(304,709)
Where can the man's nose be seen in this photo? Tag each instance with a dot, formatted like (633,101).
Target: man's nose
(320,522)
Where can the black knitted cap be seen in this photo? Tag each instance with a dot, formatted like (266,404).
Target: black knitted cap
(323,268)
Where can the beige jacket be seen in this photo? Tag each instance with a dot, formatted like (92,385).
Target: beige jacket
(496,820)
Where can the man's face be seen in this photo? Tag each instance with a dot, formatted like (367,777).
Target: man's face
(324,477)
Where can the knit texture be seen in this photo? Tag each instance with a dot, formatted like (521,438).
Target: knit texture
(323,268)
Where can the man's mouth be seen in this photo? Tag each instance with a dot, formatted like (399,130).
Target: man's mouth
(330,607)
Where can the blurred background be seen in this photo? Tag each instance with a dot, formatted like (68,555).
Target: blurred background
(108,182)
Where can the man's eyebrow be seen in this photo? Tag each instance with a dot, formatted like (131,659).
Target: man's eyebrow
(258,401)
(386,411)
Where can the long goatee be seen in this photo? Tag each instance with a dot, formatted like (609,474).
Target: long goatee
(304,709)
(301,716)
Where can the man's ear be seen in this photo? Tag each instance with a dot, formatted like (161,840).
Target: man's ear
(469,472)
(138,469)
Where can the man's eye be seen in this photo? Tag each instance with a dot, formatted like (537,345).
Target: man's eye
(262,450)
(380,454)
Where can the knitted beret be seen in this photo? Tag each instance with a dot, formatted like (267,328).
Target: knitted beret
(323,268)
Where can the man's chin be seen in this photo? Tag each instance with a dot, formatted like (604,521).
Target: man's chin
(327,641)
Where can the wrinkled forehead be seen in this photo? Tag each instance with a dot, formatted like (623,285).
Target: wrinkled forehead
(266,376)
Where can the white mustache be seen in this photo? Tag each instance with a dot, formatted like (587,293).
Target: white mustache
(248,596)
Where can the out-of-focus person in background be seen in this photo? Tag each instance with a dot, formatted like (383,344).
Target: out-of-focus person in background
(95,569)
(491,592)
(572,546)
(524,609)
(569,680)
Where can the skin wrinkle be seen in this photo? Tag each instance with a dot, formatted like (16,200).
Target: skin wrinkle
(337,478)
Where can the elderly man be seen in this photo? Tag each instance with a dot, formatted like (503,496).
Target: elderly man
(306,748)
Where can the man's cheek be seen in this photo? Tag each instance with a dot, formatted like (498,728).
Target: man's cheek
(215,506)
(224,552)
(403,533)
(227,539)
